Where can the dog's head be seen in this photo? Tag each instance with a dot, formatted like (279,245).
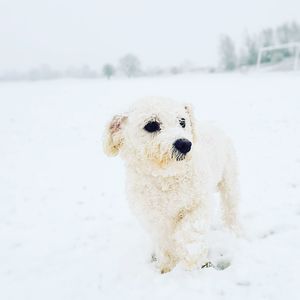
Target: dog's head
(156,130)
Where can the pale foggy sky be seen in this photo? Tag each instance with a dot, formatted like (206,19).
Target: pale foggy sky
(161,32)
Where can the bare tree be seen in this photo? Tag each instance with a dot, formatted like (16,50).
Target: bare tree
(228,56)
(288,33)
(130,65)
(250,51)
(295,32)
(266,38)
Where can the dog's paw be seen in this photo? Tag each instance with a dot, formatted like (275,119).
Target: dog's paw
(165,266)
(165,270)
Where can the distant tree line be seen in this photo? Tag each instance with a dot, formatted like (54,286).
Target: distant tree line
(248,54)
(129,66)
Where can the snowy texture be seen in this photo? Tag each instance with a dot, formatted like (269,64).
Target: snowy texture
(65,228)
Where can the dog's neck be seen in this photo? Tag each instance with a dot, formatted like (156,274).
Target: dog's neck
(171,170)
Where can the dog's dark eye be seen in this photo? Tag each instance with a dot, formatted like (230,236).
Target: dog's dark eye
(152,126)
(182,122)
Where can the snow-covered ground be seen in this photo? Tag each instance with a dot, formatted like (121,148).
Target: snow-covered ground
(66,232)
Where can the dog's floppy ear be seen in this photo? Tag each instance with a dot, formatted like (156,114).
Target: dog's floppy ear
(113,136)
(189,110)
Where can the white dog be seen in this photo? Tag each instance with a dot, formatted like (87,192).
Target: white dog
(173,169)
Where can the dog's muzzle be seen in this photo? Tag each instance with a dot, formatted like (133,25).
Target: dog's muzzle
(180,148)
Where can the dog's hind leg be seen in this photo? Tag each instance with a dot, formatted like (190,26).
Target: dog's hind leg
(230,197)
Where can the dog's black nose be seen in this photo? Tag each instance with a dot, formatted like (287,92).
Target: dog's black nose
(183,145)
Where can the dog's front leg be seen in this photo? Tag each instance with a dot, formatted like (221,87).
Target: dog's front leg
(190,237)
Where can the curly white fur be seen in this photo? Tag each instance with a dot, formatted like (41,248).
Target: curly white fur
(172,198)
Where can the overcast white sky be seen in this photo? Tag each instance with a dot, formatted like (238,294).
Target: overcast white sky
(161,32)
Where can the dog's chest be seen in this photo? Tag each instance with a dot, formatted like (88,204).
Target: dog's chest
(161,197)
